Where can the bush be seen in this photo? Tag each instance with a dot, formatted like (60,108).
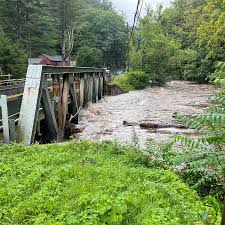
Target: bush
(137,79)
(122,82)
(87,183)
(219,72)
(132,80)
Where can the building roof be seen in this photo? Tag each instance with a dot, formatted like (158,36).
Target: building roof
(33,61)
(56,58)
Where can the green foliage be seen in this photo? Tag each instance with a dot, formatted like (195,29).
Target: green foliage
(219,72)
(204,156)
(132,80)
(13,59)
(200,160)
(87,183)
(30,23)
(159,54)
(105,30)
(137,79)
(42,26)
(89,57)
(183,41)
(122,82)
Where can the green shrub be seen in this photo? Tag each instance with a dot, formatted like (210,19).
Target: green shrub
(87,183)
(219,71)
(204,156)
(132,80)
(122,82)
(137,79)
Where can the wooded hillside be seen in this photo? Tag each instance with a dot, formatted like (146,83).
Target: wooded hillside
(184,41)
(94,31)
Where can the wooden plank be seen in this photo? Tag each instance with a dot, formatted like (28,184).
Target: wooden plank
(90,85)
(65,94)
(30,104)
(82,83)
(49,111)
(94,97)
(74,102)
(97,86)
(85,90)
(12,130)
(68,69)
(57,90)
(100,91)
(77,88)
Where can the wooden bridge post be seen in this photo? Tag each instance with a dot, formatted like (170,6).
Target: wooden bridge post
(85,89)
(94,96)
(97,86)
(90,87)
(12,130)
(77,88)
(82,84)
(56,91)
(100,91)
(74,99)
(49,110)
(65,94)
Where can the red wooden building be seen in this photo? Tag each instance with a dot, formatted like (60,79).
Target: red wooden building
(43,59)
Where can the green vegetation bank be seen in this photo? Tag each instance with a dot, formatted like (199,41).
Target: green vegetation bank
(88,183)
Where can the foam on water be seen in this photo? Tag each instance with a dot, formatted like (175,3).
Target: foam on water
(104,120)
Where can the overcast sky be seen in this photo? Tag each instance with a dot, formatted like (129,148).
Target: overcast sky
(128,7)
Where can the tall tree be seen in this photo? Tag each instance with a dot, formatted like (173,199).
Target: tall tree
(26,21)
(13,59)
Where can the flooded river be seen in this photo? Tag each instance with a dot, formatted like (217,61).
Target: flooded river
(109,118)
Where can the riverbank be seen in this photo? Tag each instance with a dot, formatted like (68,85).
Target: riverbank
(89,183)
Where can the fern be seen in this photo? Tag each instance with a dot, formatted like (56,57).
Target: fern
(201,160)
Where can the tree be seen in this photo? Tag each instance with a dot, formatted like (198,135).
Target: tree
(211,35)
(89,57)
(66,16)
(158,54)
(63,27)
(107,31)
(13,59)
(27,22)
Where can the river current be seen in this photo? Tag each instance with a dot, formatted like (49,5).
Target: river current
(119,117)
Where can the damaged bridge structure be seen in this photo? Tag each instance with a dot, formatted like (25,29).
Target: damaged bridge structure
(52,97)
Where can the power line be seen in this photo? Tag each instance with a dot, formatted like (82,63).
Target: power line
(136,17)
(140,11)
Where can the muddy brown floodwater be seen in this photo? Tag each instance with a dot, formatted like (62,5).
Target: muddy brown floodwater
(105,120)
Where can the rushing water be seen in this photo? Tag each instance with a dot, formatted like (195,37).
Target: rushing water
(104,120)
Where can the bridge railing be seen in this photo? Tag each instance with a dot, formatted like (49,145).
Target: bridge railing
(61,92)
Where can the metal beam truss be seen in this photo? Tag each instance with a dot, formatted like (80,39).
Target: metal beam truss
(56,90)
